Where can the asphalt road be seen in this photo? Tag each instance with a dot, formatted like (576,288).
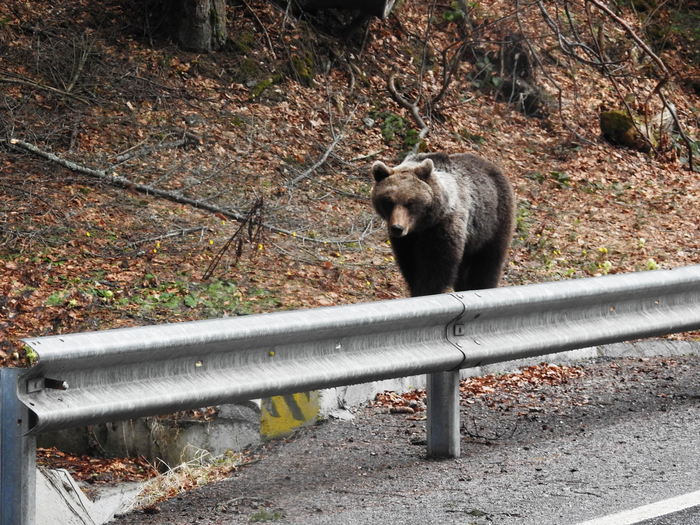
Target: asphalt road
(624,434)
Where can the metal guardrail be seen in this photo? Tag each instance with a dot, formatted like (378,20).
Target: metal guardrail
(95,377)
(126,373)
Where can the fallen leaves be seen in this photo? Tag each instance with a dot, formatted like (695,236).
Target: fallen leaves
(530,376)
(498,386)
(94,470)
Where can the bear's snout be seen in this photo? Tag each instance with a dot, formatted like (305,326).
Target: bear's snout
(396,230)
(399,222)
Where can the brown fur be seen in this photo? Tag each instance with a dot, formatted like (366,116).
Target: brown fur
(450,219)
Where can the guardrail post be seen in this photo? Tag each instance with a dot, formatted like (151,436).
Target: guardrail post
(17,455)
(443,414)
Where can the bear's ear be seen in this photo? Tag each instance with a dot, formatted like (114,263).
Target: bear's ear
(424,170)
(380,171)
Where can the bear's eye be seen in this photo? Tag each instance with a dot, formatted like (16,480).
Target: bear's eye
(386,204)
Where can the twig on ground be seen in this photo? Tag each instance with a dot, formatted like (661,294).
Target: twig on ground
(188,138)
(318,164)
(9,80)
(496,435)
(81,64)
(324,157)
(253,222)
(368,156)
(179,233)
(264,29)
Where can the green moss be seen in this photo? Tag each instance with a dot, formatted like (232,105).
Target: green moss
(242,42)
(615,122)
(474,138)
(302,69)
(246,71)
(392,125)
(396,129)
(262,86)
(411,138)
(618,127)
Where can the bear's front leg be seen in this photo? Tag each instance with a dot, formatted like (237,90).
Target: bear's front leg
(435,271)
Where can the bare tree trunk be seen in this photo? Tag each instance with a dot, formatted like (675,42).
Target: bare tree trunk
(200,25)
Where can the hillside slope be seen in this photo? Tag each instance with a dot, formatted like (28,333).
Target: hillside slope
(291,119)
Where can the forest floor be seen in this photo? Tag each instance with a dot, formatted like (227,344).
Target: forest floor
(159,155)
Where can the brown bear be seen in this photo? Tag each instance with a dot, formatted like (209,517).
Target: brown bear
(450,219)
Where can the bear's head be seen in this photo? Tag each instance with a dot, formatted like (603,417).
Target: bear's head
(403,196)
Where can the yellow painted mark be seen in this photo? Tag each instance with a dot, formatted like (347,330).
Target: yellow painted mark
(280,415)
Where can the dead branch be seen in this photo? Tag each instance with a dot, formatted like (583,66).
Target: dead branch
(318,164)
(661,65)
(646,137)
(325,155)
(119,181)
(178,233)
(188,138)
(594,55)
(496,435)
(637,40)
(8,80)
(412,108)
(263,28)
(449,68)
(81,64)
(674,115)
(254,224)
(538,60)
(425,51)
(368,156)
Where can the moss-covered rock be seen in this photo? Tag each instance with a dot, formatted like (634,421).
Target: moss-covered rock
(617,126)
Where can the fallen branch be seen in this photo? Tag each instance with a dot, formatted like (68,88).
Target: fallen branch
(118,180)
(661,65)
(263,28)
(188,138)
(674,115)
(368,156)
(24,82)
(325,156)
(318,164)
(255,226)
(412,108)
(178,233)
(81,64)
